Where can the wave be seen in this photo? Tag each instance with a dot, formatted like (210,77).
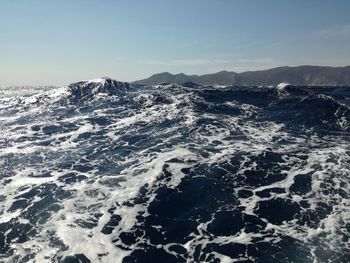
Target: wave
(107,171)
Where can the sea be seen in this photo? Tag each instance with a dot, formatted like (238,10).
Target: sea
(108,171)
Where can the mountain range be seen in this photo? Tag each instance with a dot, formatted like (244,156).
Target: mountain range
(300,75)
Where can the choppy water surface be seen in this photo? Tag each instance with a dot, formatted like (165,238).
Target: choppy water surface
(104,171)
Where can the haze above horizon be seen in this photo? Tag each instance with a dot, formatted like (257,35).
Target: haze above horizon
(59,42)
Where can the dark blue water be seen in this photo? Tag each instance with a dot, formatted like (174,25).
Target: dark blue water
(105,171)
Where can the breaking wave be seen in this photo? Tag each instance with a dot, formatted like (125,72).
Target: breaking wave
(107,171)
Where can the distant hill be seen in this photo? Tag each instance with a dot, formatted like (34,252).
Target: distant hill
(301,75)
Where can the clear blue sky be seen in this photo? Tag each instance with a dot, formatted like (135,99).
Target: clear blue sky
(57,42)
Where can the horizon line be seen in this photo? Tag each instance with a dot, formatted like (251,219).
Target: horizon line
(175,74)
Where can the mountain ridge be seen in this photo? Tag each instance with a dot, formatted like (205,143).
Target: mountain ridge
(300,75)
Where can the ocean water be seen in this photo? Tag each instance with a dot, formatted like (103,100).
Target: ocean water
(105,171)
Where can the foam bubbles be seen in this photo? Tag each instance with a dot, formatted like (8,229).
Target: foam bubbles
(169,173)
